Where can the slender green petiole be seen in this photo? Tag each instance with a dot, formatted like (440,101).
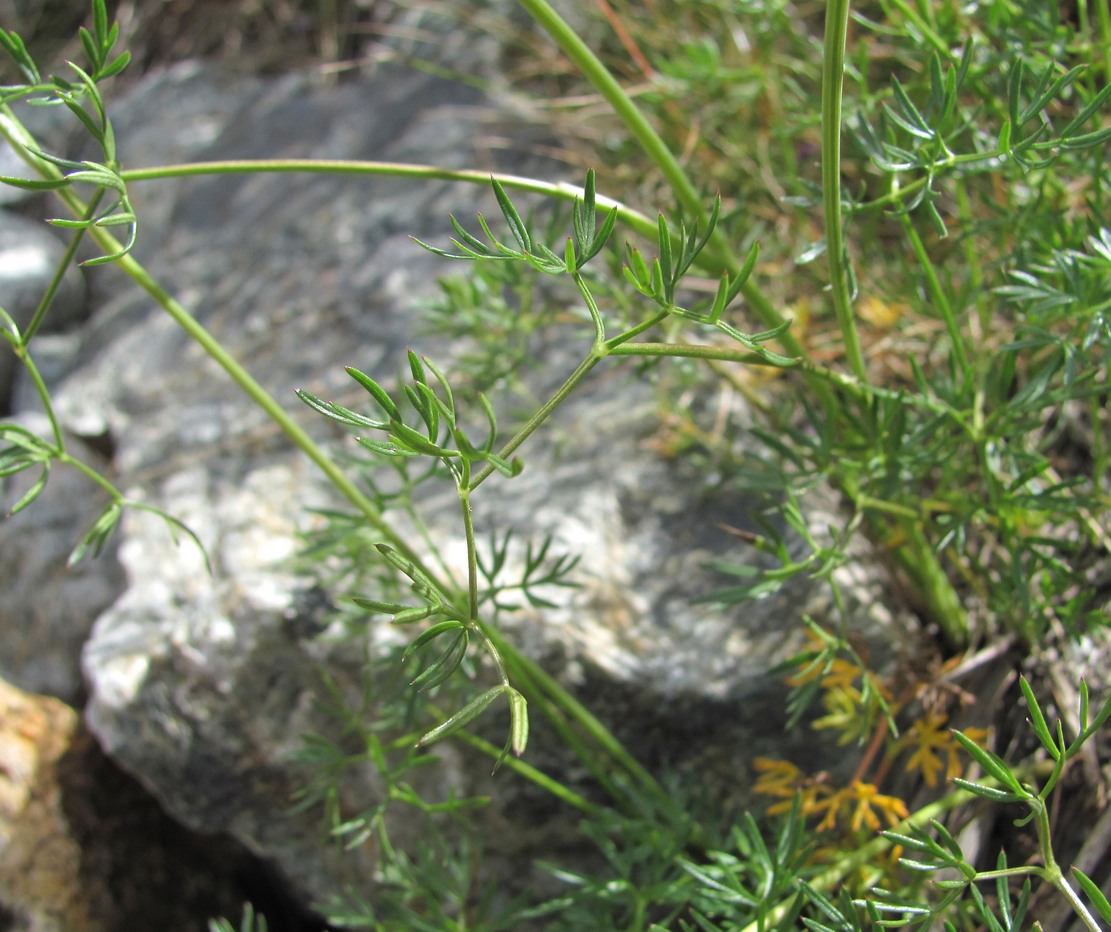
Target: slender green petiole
(937,294)
(560,190)
(24,354)
(541,414)
(59,273)
(833,79)
(541,779)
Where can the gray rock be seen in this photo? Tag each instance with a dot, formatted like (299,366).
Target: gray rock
(48,608)
(201,685)
(225,691)
(197,685)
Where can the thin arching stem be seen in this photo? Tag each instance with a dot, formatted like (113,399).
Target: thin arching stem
(833,79)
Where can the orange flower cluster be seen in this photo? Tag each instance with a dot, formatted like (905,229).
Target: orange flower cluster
(859,805)
(861,709)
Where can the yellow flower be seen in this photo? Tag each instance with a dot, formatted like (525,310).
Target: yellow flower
(868,799)
(831,806)
(778,778)
(784,781)
(809,800)
(936,750)
(930,743)
(846,713)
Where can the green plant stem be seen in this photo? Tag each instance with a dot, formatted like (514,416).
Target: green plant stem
(600,351)
(1065,889)
(973,259)
(1051,871)
(23,352)
(629,217)
(542,414)
(936,292)
(833,78)
(941,604)
(472,577)
(867,503)
(642,327)
(259,396)
(561,190)
(538,777)
(689,351)
(472,552)
(713,260)
(86,470)
(592,309)
(59,273)
(1103,17)
(526,670)
(592,68)
(657,150)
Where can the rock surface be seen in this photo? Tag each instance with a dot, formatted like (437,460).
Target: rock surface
(202,686)
(40,861)
(49,608)
(84,849)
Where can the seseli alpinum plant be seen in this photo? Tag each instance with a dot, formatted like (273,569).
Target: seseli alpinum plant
(954,235)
